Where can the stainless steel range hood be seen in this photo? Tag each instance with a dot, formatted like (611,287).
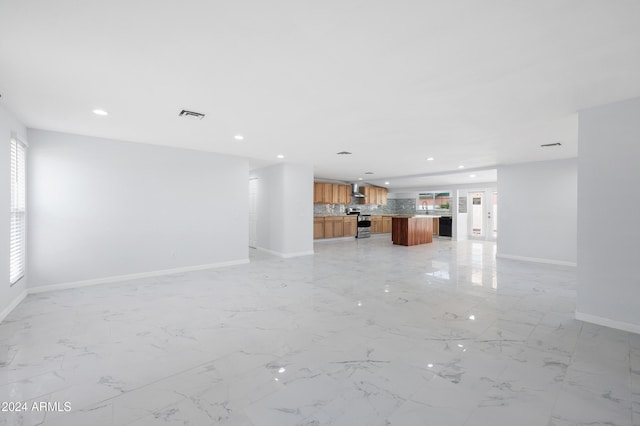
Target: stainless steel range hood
(355,192)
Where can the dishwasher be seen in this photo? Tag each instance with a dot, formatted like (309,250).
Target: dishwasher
(445,226)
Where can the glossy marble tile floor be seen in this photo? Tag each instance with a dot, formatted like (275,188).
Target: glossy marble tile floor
(361,333)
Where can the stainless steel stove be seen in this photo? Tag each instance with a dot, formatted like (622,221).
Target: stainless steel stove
(364,222)
(364,226)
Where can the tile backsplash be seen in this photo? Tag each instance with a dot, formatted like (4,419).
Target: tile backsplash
(394,206)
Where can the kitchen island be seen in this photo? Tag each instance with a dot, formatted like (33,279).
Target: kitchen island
(412,230)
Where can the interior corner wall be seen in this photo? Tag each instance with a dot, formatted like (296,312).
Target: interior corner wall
(10,127)
(100,209)
(284,223)
(537,211)
(609,201)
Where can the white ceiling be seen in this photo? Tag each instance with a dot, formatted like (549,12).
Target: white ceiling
(479,83)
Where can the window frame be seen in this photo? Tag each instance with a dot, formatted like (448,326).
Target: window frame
(17,211)
(426,201)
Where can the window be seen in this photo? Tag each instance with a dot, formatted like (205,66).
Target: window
(17,252)
(434,201)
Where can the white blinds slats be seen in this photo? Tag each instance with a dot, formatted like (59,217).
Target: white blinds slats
(17,246)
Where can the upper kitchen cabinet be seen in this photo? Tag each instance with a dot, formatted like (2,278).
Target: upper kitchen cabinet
(344,194)
(382,196)
(374,195)
(318,192)
(331,193)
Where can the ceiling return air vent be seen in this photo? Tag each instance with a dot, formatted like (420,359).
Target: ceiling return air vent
(547,145)
(192,115)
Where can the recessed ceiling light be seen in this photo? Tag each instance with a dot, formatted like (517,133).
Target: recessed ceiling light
(100,112)
(359,178)
(461,166)
(386,183)
(430,159)
(280,156)
(238,137)
(472,176)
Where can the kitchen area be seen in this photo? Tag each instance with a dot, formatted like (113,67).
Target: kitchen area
(353,211)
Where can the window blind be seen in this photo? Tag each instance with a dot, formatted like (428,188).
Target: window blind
(17,250)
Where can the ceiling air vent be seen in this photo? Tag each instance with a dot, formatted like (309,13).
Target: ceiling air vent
(546,145)
(344,153)
(191,115)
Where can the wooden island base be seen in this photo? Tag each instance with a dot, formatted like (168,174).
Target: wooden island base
(411,231)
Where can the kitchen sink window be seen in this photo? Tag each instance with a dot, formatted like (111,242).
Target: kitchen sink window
(434,201)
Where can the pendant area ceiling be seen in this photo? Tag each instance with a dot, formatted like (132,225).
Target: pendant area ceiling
(467,82)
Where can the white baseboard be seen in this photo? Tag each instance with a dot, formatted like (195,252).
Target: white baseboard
(286,255)
(6,311)
(536,259)
(118,278)
(333,240)
(606,322)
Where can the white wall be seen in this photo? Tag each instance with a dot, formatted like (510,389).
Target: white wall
(285,209)
(608,224)
(537,211)
(9,295)
(102,208)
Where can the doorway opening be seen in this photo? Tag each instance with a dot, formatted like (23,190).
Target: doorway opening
(483,217)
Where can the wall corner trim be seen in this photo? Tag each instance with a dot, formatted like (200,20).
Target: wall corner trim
(607,322)
(118,278)
(6,311)
(536,259)
(286,255)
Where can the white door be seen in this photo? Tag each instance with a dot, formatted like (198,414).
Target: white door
(483,214)
(492,214)
(253,212)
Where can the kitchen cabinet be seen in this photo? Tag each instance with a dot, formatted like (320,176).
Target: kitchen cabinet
(335,193)
(386,224)
(436,226)
(376,224)
(340,193)
(318,228)
(382,197)
(318,192)
(374,195)
(344,192)
(331,193)
(410,231)
(327,193)
(367,191)
(350,226)
(333,226)
(381,224)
